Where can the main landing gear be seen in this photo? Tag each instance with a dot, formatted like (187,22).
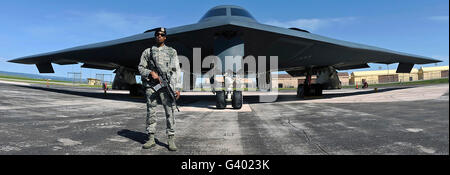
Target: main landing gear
(308,89)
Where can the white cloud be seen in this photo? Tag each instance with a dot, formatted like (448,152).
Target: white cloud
(312,24)
(439,18)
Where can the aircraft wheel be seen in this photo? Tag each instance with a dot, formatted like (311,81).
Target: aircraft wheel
(137,90)
(220,100)
(300,91)
(318,90)
(236,99)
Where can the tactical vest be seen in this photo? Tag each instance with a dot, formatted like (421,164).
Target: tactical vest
(164,62)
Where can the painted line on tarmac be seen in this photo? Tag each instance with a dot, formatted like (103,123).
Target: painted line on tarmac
(411,94)
(15,83)
(199,107)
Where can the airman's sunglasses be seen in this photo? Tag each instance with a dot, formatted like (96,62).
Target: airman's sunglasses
(160,34)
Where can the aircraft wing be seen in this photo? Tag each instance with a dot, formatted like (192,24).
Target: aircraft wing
(104,55)
(296,49)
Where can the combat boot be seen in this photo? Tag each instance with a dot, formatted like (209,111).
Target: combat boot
(150,143)
(172,146)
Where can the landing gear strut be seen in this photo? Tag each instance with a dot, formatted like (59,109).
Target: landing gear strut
(308,89)
(229,47)
(228,95)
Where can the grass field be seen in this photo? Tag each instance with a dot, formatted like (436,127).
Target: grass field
(25,78)
(422,82)
(44,81)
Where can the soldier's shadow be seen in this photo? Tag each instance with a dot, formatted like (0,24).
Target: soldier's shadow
(139,137)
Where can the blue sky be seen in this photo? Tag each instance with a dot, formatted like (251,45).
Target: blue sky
(32,27)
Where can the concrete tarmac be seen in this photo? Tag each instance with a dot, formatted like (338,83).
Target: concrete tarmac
(63,120)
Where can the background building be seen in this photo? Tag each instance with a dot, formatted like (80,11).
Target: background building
(344,78)
(287,81)
(428,73)
(92,81)
(388,76)
(382,76)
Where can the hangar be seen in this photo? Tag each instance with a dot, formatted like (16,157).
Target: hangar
(388,76)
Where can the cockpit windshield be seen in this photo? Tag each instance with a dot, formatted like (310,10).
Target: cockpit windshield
(227,11)
(215,12)
(240,12)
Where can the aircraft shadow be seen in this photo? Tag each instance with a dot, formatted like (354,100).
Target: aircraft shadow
(252,99)
(204,100)
(139,137)
(77,92)
(109,96)
(283,97)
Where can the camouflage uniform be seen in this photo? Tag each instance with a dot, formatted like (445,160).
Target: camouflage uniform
(167,60)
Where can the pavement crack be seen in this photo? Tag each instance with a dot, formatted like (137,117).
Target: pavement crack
(308,138)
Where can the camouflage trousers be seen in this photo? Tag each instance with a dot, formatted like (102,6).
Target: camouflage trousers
(152,101)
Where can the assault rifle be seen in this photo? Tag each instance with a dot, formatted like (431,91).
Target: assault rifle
(164,82)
